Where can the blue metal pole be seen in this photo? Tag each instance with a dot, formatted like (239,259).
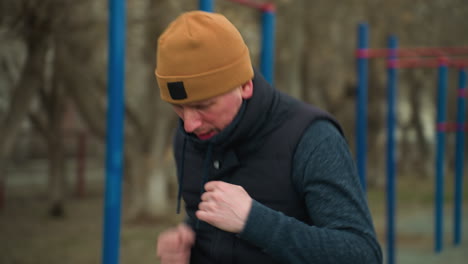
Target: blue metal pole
(206,5)
(361,104)
(459,156)
(440,149)
(391,163)
(114,140)
(267,56)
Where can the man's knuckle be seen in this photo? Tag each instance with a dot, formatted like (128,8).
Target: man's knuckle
(214,196)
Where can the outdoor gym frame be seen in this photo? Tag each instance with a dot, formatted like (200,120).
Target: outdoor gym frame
(441,58)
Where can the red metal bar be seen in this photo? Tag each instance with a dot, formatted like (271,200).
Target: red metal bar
(459,63)
(413,63)
(433,52)
(264,7)
(462,92)
(452,127)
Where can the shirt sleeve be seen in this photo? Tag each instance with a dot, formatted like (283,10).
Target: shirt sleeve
(342,230)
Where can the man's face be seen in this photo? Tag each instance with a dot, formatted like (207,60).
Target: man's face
(207,118)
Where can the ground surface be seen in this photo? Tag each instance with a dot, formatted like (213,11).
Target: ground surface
(28,236)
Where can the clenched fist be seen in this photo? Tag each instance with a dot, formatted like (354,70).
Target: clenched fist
(174,245)
(225,206)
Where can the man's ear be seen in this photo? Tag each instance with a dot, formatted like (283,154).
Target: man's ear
(247,90)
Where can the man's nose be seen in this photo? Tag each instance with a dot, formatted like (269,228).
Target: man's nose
(192,120)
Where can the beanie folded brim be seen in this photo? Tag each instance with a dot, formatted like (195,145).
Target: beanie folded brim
(199,87)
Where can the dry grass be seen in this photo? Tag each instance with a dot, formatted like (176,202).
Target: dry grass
(29,236)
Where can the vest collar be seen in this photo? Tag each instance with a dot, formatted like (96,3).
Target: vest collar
(251,123)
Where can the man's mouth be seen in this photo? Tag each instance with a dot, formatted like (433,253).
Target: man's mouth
(205,136)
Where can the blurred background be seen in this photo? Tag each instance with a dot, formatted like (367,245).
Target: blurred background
(53,81)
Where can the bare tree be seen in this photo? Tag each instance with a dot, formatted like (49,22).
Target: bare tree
(48,121)
(40,25)
(291,56)
(77,71)
(29,21)
(147,121)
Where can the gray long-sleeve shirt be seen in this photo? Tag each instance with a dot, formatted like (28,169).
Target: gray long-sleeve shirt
(342,230)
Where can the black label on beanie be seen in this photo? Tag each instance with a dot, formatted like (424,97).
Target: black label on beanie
(177,90)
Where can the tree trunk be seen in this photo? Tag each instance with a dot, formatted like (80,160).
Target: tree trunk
(147,165)
(23,95)
(148,169)
(55,139)
(292,55)
(422,162)
(161,164)
(136,180)
(57,179)
(158,191)
(48,122)
(148,184)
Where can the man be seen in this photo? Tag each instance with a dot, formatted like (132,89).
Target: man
(265,178)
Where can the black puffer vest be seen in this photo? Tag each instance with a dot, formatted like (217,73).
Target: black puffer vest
(256,152)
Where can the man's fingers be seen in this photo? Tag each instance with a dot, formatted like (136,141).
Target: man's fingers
(187,236)
(180,258)
(204,216)
(205,196)
(210,186)
(167,241)
(175,240)
(209,217)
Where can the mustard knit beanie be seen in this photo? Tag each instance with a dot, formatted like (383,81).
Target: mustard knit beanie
(201,55)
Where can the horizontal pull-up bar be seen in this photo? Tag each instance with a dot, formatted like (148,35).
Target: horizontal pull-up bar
(264,7)
(451,127)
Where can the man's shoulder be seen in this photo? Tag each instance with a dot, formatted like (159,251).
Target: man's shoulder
(317,131)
